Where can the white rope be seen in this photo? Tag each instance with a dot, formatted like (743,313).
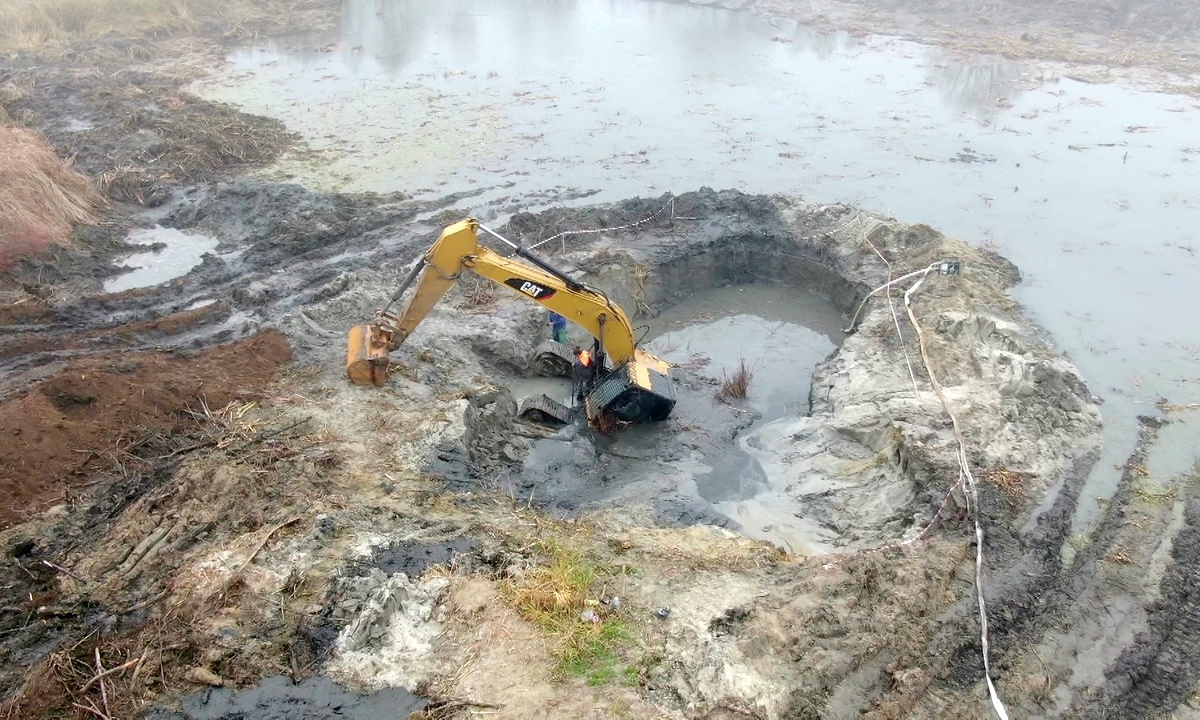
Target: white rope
(895,317)
(964,476)
(972,500)
(670,203)
(922,272)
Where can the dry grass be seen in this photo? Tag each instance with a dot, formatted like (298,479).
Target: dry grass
(49,26)
(42,197)
(476,292)
(1009,482)
(102,676)
(38,26)
(737,385)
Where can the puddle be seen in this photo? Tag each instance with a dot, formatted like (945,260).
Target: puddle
(558,389)
(183,252)
(414,559)
(1089,188)
(278,698)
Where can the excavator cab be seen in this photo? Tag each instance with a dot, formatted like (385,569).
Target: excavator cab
(628,386)
(631,393)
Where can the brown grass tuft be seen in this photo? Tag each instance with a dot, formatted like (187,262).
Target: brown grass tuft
(1009,482)
(737,385)
(42,197)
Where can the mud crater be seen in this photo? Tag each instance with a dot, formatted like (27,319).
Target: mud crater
(862,459)
(706,303)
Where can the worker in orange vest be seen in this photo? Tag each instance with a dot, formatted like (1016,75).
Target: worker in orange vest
(581,372)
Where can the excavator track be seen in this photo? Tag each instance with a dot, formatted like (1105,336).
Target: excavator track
(552,359)
(544,410)
(621,398)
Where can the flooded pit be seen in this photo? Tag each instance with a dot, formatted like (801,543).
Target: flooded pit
(710,445)
(1089,188)
(781,332)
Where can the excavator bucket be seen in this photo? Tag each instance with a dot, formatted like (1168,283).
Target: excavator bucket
(367,358)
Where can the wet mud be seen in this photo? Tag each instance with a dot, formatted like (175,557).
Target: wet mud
(280,698)
(223,525)
(63,433)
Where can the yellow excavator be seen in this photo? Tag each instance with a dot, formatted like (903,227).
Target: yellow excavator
(622,383)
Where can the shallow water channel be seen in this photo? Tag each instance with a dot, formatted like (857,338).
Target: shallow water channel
(1089,188)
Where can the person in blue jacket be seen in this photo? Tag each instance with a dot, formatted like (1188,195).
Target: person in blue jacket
(558,327)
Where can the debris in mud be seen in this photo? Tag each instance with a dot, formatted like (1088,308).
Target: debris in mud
(967,155)
(490,439)
(388,638)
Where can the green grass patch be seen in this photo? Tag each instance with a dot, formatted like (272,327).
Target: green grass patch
(554,595)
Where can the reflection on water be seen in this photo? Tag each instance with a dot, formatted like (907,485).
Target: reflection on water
(178,253)
(982,86)
(1089,189)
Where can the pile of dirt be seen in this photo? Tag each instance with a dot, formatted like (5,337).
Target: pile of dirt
(99,410)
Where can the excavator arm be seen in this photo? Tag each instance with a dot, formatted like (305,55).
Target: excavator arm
(458,249)
(639,382)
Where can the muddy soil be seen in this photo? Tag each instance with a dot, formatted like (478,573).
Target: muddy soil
(98,409)
(320,522)
(216,528)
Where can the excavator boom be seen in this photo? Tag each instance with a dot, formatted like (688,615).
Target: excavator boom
(637,388)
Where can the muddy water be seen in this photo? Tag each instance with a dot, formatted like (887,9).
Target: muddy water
(278,698)
(174,255)
(1089,188)
(781,333)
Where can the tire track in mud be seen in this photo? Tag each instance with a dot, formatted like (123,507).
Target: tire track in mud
(1035,597)
(1040,603)
(1159,670)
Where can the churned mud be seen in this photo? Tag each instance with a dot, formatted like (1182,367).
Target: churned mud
(203,519)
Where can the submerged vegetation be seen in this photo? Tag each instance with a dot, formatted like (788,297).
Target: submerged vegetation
(736,385)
